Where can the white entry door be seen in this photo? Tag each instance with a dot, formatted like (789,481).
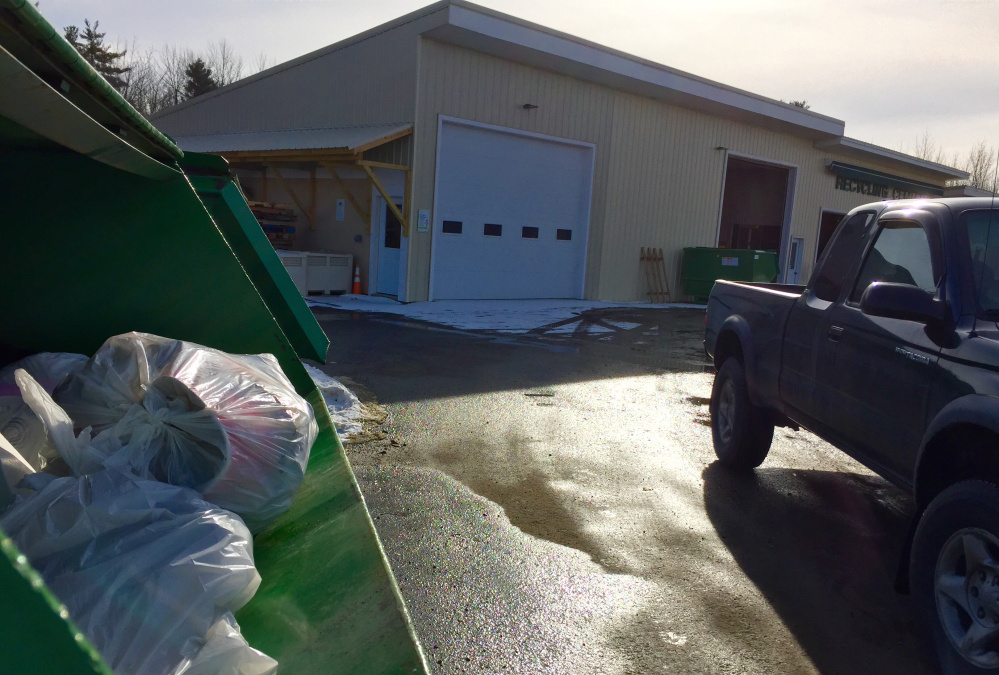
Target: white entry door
(389,246)
(512,214)
(794,257)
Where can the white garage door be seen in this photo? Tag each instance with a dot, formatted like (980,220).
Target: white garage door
(512,213)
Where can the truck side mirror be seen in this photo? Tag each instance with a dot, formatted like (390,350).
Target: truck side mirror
(902,301)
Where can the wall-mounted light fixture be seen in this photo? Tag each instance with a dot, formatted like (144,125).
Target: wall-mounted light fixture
(529,106)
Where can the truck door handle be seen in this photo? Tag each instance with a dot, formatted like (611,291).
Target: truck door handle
(835,333)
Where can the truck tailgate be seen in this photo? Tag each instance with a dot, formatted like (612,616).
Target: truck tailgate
(756,314)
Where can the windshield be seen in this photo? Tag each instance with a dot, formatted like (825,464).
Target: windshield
(983,240)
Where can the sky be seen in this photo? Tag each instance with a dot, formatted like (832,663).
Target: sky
(893,70)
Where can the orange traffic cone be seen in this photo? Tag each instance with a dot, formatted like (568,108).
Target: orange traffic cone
(356,288)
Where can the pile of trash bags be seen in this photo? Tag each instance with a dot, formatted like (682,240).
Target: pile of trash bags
(132,481)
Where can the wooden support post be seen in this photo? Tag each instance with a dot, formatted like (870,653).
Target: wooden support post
(294,197)
(263,184)
(365,214)
(406,201)
(382,165)
(384,193)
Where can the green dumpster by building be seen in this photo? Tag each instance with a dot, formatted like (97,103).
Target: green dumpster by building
(107,228)
(702,266)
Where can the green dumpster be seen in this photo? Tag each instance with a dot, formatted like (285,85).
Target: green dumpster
(107,227)
(702,266)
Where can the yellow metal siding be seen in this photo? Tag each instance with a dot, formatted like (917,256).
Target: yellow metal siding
(658,173)
(457,82)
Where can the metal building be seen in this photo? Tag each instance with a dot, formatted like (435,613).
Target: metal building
(457,152)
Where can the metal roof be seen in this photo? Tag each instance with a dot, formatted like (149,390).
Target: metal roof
(472,26)
(354,139)
(854,148)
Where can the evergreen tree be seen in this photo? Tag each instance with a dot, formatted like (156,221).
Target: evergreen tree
(101,56)
(199,79)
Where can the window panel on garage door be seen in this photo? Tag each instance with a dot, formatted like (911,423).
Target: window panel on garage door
(515,195)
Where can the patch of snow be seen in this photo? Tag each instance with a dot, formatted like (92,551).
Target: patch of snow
(345,408)
(566,328)
(506,316)
(623,325)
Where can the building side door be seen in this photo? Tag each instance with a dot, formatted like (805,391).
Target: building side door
(389,246)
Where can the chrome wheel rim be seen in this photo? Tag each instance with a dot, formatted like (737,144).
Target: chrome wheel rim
(966,587)
(726,412)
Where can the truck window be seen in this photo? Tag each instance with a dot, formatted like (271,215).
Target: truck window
(841,256)
(900,255)
(983,238)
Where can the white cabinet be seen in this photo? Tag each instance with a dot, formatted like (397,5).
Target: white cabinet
(294,263)
(341,272)
(317,273)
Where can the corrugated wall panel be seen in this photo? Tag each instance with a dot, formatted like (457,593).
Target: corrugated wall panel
(399,151)
(366,81)
(658,173)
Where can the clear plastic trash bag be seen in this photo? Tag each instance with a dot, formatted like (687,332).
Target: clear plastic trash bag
(14,468)
(145,569)
(226,652)
(169,436)
(18,424)
(251,461)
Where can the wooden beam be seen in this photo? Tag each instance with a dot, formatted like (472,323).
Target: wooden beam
(383,140)
(361,211)
(382,165)
(294,197)
(304,154)
(385,195)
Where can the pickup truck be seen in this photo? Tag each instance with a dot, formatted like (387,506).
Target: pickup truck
(890,353)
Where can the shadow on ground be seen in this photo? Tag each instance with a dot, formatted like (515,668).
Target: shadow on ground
(822,544)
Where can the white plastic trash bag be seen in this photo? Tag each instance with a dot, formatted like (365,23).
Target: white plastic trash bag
(138,388)
(168,436)
(145,569)
(18,424)
(226,652)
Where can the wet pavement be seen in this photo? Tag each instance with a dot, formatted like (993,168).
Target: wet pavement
(550,504)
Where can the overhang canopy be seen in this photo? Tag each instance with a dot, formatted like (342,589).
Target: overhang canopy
(249,146)
(851,147)
(309,149)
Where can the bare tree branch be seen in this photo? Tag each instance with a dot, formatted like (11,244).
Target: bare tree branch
(226,65)
(981,164)
(262,62)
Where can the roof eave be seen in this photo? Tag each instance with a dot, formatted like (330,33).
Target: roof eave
(854,148)
(478,28)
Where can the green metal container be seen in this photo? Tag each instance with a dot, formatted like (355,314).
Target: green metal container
(107,227)
(702,266)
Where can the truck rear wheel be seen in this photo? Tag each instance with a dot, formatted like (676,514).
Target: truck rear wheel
(742,433)
(954,572)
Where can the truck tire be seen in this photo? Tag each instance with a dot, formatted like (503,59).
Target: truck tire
(954,576)
(742,433)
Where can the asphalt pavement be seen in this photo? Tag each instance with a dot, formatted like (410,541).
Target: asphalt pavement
(550,503)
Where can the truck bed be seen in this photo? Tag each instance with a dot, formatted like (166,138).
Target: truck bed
(758,313)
